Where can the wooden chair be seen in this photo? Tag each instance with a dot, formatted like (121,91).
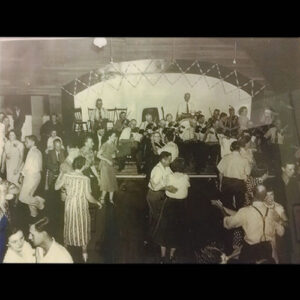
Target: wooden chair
(78,124)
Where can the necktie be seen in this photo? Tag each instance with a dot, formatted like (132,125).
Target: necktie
(57,156)
(187,108)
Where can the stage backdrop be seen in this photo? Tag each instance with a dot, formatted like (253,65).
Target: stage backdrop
(209,93)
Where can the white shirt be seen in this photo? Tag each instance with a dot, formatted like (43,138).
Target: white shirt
(158,177)
(33,163)
(233,165)
(181,182)
(170,147)
(125,135)
(182,108)
(56,254)
(252,223)
(27,255)
(211,136)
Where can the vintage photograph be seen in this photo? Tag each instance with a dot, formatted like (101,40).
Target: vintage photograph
(149,150)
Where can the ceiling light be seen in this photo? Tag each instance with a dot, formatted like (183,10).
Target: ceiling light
(100,42)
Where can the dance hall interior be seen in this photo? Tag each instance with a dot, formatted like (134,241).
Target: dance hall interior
(122,150)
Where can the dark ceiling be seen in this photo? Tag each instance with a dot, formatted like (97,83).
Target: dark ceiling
(44,66)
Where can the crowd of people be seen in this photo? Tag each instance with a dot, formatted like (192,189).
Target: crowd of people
(77,172)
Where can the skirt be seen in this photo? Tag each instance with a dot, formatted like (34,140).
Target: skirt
(167,220)
(108,180)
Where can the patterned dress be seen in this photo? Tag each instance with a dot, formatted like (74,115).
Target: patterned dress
(77,223)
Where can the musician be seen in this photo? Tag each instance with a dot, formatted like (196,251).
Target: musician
(276,133)
(121,123)
(232,123)
(169,120)
(221,124)
(100,114)
(244,121)
(186,108)
(149,120)
(215,116)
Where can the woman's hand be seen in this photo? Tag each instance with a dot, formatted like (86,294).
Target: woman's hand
(171,189)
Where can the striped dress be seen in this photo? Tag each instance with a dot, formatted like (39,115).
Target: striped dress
(77,221)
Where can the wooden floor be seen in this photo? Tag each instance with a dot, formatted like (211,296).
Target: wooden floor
(119,232)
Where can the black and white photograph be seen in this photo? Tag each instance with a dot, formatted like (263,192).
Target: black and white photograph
(149,150)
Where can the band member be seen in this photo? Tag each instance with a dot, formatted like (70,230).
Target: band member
(186,108)
(100,115)
(232,123)
(148,121)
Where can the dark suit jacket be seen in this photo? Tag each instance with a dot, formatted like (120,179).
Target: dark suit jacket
(18,121)
(52,165)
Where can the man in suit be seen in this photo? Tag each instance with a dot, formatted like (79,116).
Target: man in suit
(55,158)
(19,119)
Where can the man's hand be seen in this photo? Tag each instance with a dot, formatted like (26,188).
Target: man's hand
(171,189)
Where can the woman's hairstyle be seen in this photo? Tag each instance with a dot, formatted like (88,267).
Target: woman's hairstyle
(10,131)
(209,255)
(11,230)
(43,225)
(164,155)
(33,138)
(223,115)
(56,141)
(78,163)
(107,134)
(244,140)
(242,108)
(178,165)
(234,146)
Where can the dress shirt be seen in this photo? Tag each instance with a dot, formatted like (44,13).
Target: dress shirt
(170,147)
(252,223)
(158,178)
(98,115)
(233,165)
(34,162)
(27,255)
(125,135)
(182,108)
(56,254)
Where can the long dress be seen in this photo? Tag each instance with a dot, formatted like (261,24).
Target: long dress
(108,180)
(77,221)
(13,152)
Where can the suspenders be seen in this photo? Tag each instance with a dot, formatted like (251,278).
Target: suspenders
(263,238)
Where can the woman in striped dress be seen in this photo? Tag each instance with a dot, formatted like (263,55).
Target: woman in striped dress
(77,221)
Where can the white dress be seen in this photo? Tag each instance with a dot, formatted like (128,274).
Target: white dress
(13,151)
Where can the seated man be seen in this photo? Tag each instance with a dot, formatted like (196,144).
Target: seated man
(149,120)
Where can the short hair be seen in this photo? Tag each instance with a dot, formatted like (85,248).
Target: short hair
(287,161)
(122,113)
(217,110)
(57,140)
(210,255)
(178,165)
(99,99)
(11,230)
(187,94)
(43,225)
(32,138)
(244,140)
(10,131)
(164,154)
(170,135)
(223,115)
(234,146)
(87,137)
(78,162)
(133,120)
(169,115)
(241,109)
